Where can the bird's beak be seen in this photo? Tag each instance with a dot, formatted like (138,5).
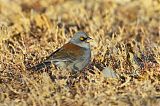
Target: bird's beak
(88,39)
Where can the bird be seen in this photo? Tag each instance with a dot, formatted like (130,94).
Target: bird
(74,55)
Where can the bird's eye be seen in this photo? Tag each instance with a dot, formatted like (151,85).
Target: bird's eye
(82,38)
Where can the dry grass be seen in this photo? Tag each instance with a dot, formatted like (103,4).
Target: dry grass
(126,38)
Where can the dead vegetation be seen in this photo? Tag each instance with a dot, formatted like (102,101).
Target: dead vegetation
(126,38)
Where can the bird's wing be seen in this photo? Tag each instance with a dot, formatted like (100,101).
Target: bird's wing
(68,52)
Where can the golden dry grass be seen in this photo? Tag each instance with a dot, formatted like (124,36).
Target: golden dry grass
(126,38)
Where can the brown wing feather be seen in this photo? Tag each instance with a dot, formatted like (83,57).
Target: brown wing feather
(69,50)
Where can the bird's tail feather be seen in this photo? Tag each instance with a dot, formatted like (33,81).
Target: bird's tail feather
(40,66)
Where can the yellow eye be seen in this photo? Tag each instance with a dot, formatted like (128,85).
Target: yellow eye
(82,38)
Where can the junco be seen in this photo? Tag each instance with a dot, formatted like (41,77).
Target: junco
(74,55)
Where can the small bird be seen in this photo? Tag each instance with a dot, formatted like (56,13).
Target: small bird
(74,55)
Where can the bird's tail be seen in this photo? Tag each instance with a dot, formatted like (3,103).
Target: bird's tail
(40,66)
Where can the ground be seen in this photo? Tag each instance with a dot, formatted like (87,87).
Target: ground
(126,40)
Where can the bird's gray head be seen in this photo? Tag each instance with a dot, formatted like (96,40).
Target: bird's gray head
(80,39)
